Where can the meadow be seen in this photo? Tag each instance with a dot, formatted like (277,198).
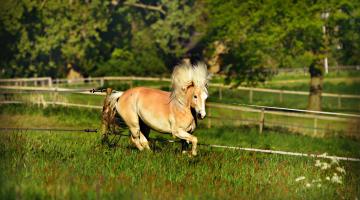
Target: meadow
(75,165)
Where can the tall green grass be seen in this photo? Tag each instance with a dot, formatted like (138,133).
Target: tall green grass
(43,165)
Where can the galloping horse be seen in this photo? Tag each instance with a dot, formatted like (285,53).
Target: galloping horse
(144,108)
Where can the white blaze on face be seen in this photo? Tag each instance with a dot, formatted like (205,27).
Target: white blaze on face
(204,96)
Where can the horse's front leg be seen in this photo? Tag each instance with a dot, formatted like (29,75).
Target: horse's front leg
(188,137)
(184,146)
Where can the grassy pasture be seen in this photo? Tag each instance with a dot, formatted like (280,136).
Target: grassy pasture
(73,165)
(227,117)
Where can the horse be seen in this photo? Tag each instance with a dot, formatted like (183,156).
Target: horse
(174,112)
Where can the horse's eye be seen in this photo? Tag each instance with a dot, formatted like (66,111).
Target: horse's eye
(195,96)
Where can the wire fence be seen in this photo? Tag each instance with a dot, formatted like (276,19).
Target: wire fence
(304,122)
(219,92)
(293,120)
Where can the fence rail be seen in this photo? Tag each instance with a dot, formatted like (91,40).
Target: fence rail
(230,106)
(264,116)
(48,81)
(305,70)
(42,81)
(313,129)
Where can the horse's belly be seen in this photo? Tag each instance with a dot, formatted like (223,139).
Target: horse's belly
(156,123)
(152,106)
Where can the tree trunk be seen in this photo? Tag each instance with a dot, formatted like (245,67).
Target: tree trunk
(73,73)
(214,61)
(316,86)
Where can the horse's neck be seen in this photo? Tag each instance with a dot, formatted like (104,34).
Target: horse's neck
(184,104)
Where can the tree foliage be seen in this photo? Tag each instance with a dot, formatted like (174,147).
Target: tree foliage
(269,34)
(94,37)
(145,37)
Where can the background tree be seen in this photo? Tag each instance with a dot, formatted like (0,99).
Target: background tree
(95,37)
(51,37)
(262,36)
(246,40)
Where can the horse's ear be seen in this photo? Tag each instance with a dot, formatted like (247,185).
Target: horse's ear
(185,87)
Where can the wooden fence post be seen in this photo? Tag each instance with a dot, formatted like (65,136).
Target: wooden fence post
(262,120)
(56,97)
(102,82)
(220,93)
(49,82)
(315,126)
(250,95)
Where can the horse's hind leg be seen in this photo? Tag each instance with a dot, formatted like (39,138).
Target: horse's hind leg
(130,116)
(144,142)
(144,134)
(138,138)
(135,137)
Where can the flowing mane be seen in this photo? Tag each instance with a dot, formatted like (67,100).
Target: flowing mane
(185,75)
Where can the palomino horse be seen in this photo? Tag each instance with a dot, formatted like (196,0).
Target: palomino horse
(144,108)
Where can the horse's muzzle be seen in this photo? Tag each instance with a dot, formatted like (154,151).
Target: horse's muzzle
(201,116)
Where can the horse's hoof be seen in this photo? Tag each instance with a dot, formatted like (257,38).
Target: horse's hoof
(194,153)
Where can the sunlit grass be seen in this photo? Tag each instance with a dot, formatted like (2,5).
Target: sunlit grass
(76,165)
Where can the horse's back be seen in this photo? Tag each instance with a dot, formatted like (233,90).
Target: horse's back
(151,105)
(146,95)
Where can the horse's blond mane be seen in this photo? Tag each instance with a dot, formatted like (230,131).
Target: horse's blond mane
(185,75)
(200,75)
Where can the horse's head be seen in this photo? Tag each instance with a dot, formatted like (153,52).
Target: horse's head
(190,86)
(198,100)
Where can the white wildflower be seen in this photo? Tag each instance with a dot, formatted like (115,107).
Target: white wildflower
(324,154)
(317,163)
(322,165)
(319,185)
(336,179)
(300,178)
(308,185)
(341,170)
(334,161)
(316,180)
(327,178)
(325,166)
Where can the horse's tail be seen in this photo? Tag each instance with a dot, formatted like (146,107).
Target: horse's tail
(109,110)
(113,99)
